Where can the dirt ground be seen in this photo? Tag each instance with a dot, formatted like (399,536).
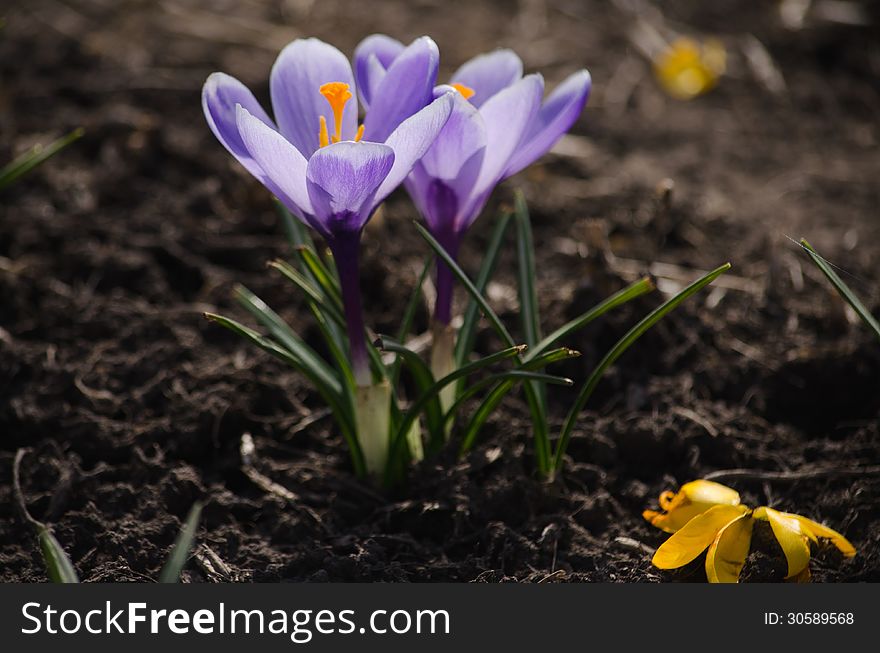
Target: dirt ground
(131,406)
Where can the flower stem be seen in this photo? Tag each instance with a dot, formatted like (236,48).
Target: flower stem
(445,278)
(372,409)
(443,363)
(345,248)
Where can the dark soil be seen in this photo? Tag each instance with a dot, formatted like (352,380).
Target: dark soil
(131,406)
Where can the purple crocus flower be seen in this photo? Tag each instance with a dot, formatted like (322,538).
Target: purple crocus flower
(329,172)
(498,126)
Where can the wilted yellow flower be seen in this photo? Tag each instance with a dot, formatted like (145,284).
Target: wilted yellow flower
(692,499)
(687,69)
(720,524)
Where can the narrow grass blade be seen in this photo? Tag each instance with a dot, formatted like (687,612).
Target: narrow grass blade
(324,276)
(528,293)
(622,345)
(398,440)
(467,333)
(539,423)
(34,157)
(516,376)
(842,288)
(286,337)
(327,385)
(182,545)
(312,293)
(58,565)
(637,289)
(409,315)
(424,382)
(468,285)
(493,399)
(531,321)
(297,233)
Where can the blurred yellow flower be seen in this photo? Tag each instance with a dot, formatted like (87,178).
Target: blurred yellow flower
(687,69)
(705,515)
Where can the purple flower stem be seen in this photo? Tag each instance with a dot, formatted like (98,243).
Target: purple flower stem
(445,277)
(345,247)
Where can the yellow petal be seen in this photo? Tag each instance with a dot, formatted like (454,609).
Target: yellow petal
(689,542)
(791,538)
(692,499)
(803,577)
(816,529)
(710,492)
(727,554)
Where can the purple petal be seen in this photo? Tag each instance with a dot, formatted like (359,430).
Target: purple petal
(298,74)
(220,95)
(448,170)
(407,87)
(555,117)
(283,167)
(342,181)
(412,139)
(461,137)
(506,115)
(372,57)
(489,73)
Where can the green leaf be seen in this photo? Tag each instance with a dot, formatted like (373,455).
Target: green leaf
(409,316)
(468,285)
(637,289)
(467,333)
(842,288)
(515,376)
(622,345)
(287,338)
(324,277)
(180,553)
(297,233)
(58,565)
(327,385)
(531,323)
(312,293)
(35,156)
(528,294)
(398,440)
(493,399)
(541,434)
(424,382)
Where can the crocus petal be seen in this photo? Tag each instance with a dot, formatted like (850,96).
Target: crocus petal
(299,72)
(406,88)
(689,542)
(556,116)
(463,135)
(372,57)
(818,530)
(412,139)
(444,178)
(220,95)
(283,167)
(342,181)
(489,73)
(506,116)
(692,499)
(791,538)
(727,554)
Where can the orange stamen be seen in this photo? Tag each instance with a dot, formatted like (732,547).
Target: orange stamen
(466,91)
(323,136)
(337,95)
(359,135)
